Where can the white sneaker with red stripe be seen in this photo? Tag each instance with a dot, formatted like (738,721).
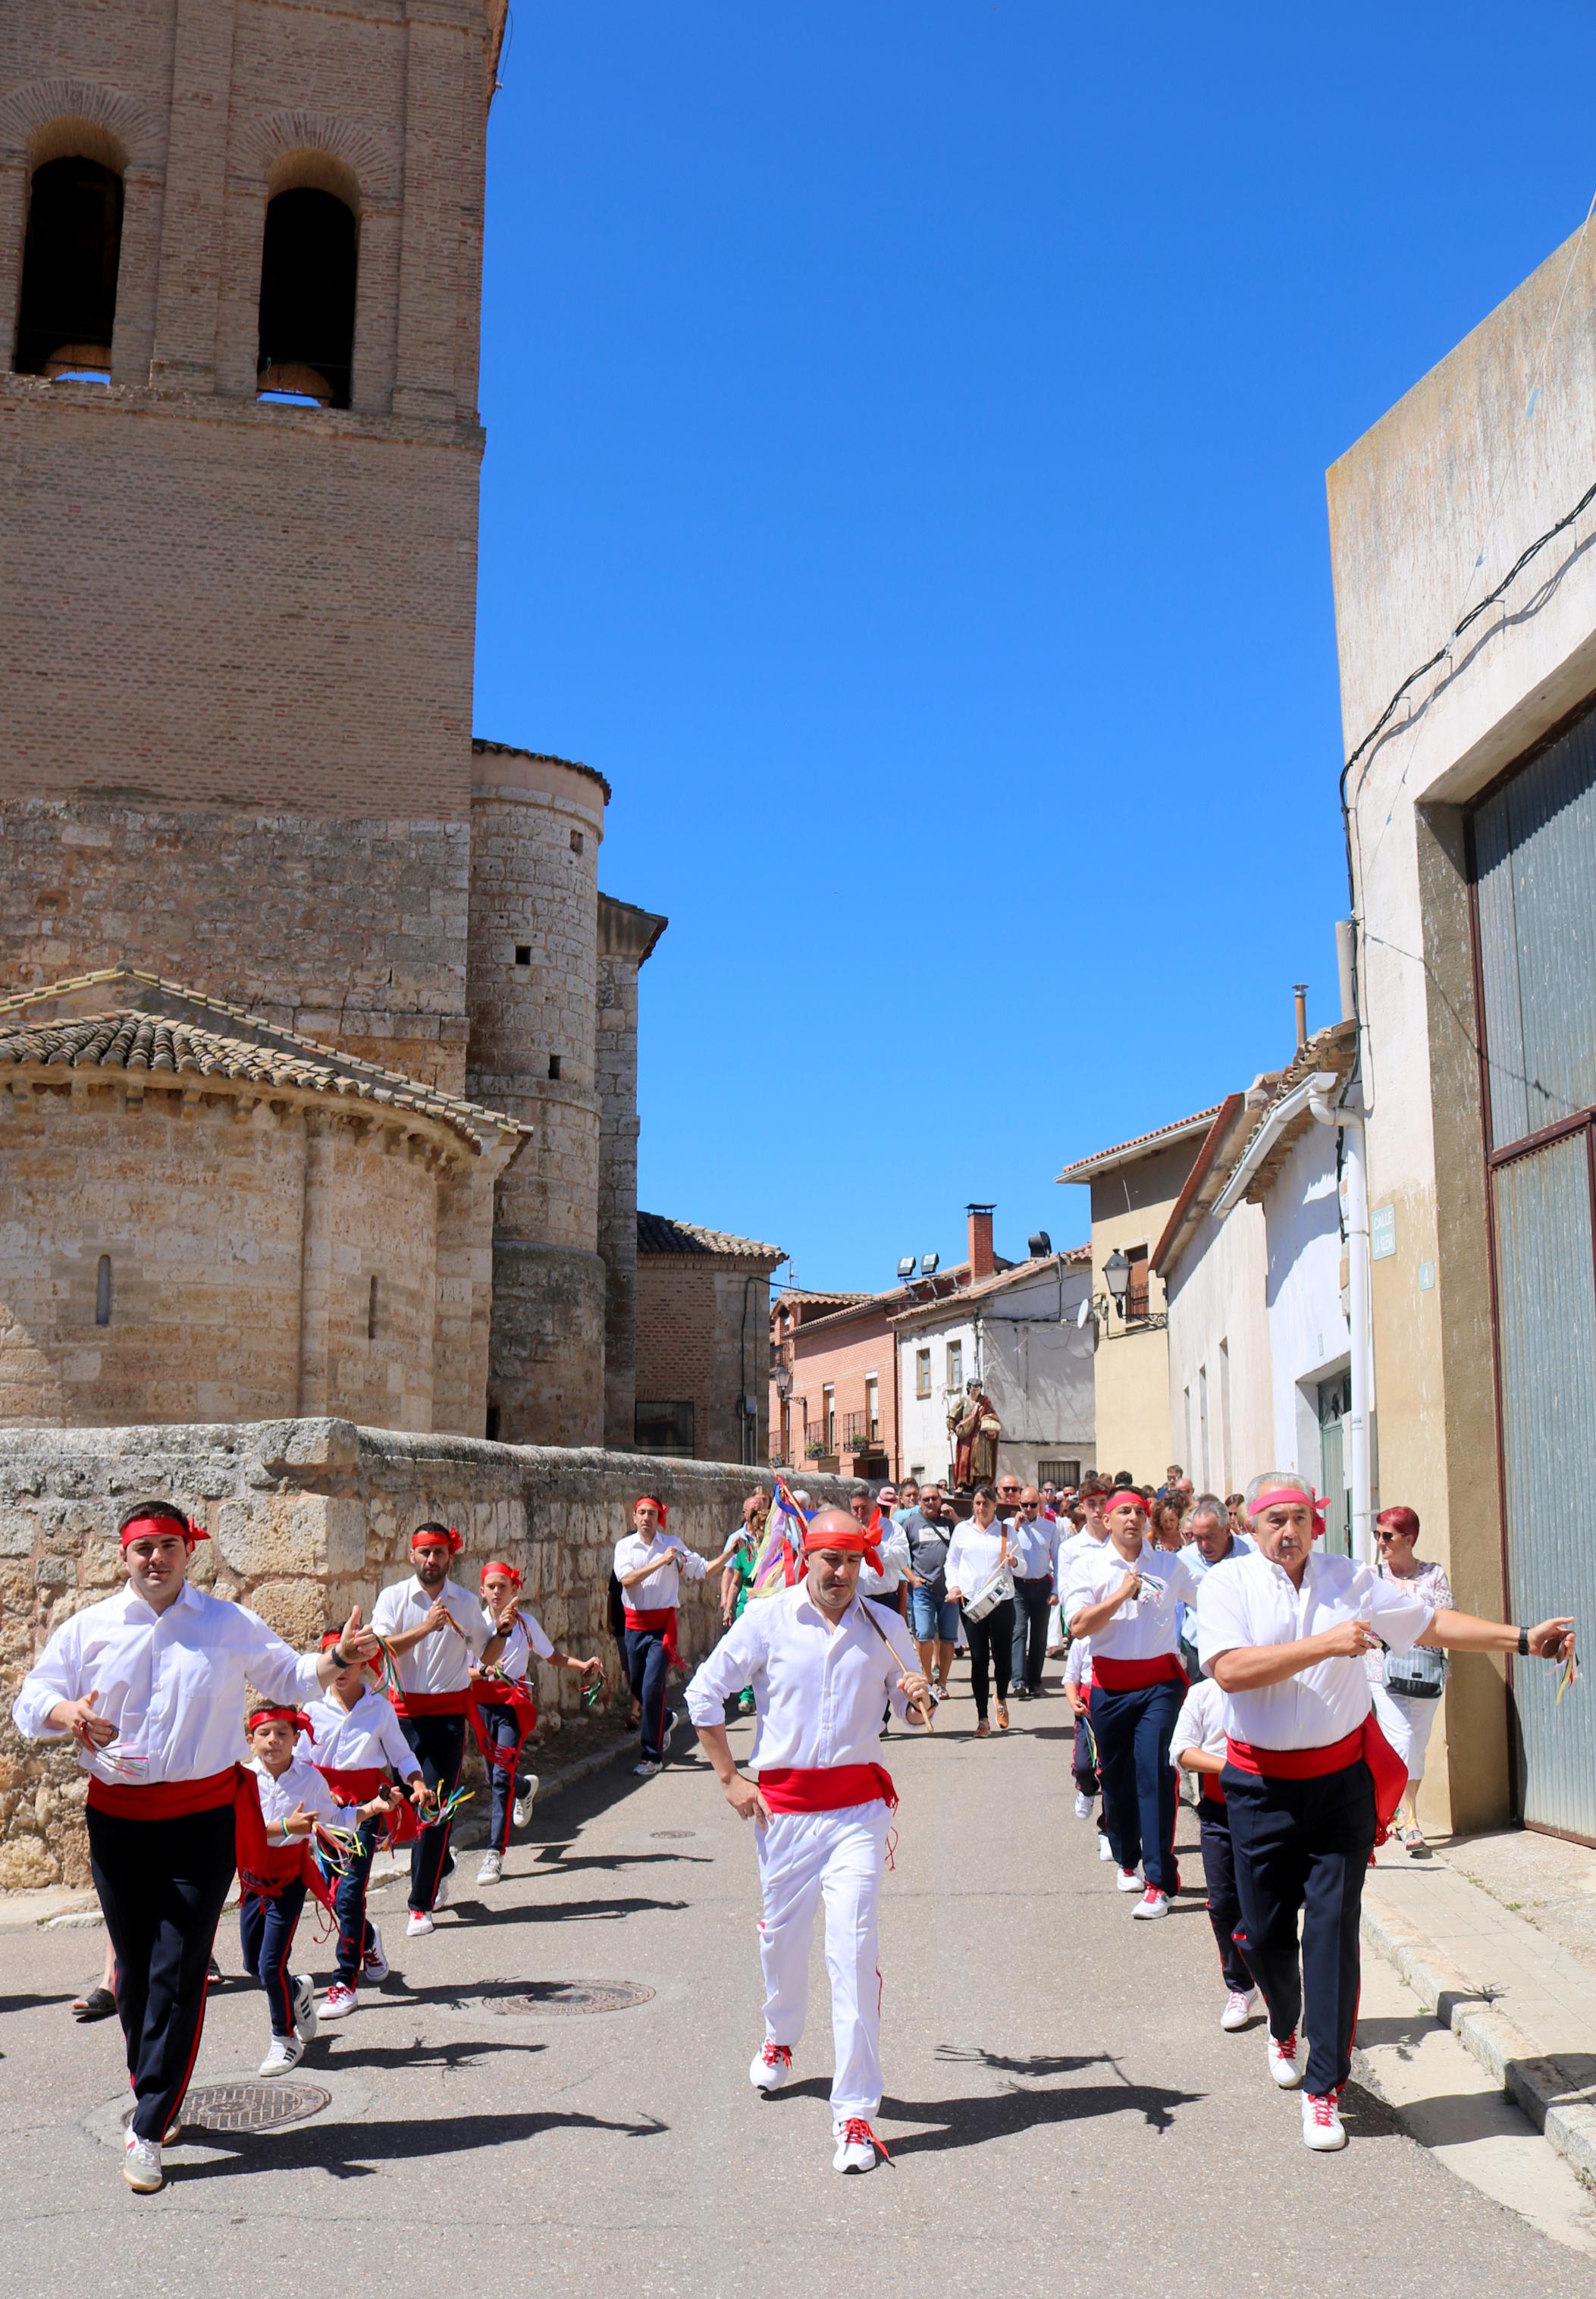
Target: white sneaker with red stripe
(1322,2127)
(1127,1881)
(340,2001)
(1286,2063)
(1239,2007)
(857,2145)
(770,2067)
(1152,1902)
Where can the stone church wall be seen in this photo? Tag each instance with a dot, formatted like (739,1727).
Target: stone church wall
(307,1518)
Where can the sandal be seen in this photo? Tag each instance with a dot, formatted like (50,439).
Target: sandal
(1003,1715)
(983,1729)
(99,2004)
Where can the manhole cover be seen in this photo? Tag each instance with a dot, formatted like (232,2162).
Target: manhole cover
(674,1835)
(545,1996)
(249,2106)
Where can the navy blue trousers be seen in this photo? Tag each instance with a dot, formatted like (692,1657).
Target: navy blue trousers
(439,1743)
(647,1666)
(355,1935)
(1302,1849)
(503,1731)
(1223,1908)
(161,1886)
(266,1930)
(1133,1732)
(1083,1763)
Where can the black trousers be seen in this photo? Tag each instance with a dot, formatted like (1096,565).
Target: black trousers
(1032,1601)
(161,1884)
(1133,1732)
(1223,1908)
(1302,1847)
(991,1652)
(439,1744)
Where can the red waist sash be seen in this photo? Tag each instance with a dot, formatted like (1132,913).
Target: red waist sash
(1135,1675)
(826,1788)
(1213,1791)
(1368,1745)
(661,1622)
(431,1704)
(495,1692)
(354,1783)
(162,1799)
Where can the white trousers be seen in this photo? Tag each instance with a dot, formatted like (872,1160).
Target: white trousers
(837,1858)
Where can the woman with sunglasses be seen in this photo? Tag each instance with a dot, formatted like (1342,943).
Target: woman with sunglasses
(1396,1534)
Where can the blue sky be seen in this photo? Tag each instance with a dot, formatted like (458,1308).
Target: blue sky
(906,427)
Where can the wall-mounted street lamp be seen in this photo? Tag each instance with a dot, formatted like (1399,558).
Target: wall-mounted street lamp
(1117,1277)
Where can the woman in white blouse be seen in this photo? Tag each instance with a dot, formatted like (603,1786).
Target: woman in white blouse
(979,1548)
(1396,1532)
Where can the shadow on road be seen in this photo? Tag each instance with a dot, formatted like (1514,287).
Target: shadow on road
(418,2054)
(565,1910)
(551,1857)
(356,2150)
(999,2115)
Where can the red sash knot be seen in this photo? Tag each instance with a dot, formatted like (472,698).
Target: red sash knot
(661,1623)
(1368,1745)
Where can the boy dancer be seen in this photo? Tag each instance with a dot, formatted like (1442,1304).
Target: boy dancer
(503,1711)
(820,1660)
(431,1629)
(649,1563)
(1197,1745)
(358,1749)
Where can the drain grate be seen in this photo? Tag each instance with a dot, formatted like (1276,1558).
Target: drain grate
(249,2106)
(562,1995)
(671,1835)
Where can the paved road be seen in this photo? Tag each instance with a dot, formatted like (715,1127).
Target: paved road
(1063,2110)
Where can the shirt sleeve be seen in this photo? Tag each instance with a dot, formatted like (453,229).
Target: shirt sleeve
(953,1565)
(57,1674)
(275,1666)
(1081,1585)
(394,1749)
(1183,1582)
(1188,1726)
(318,1798)
(537,1642)
(624,1560)
(1221,1616)
(385,1612)
(726,1670)
(1397,1618)
(691,1564)
(471,1625)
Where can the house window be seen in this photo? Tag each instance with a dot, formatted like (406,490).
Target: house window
(661,1426)
(922,1372)
(307,298)
(523,953)
(554,1066)
(1137,1301)
(1058,1473)
(955,1365)
(492,1430)
(828,1416)
(68,306)
(102,1291)
(576,842)
(872,1406)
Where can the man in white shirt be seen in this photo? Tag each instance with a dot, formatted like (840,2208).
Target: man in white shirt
(820,1663)
(649,1565)
(1124,1596)
(1034,1539)
(1210,1540)
(432,1629)
(151,1684)
(1310,1783)
(883,1584)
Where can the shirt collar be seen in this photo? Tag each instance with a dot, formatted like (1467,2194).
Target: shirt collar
(138,1604)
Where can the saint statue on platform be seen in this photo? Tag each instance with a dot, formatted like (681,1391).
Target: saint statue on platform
(974,1429)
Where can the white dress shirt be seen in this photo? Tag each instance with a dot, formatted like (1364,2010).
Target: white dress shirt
(525,1644)
(1033,1544)
(367,1738)
(301,1784)
(441,1662)
(974,1556)
(893,1546)
(1253,1602)
(665,1552)
(1144,1627)
(1077,1661)
(173,1683)
(1203,1722)
(1079,1544)
(820,1691)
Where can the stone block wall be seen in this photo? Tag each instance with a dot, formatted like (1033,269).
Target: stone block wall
(306,1518)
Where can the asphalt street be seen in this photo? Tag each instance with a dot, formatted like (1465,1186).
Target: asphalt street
(1063,2110)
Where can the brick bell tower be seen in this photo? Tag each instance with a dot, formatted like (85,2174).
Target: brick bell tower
(240,258)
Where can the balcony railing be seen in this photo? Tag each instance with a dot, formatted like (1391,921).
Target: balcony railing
(861,1433)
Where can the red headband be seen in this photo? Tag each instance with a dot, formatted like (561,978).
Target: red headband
(1289,1497)
(279,1716)
(164,1528)
(497,1565)
(860,1542)
(649,1497)
(1126,1496)
(450,1541)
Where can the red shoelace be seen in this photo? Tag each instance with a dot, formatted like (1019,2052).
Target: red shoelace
(857,2133)
(1286,2046)
(1323,2107)
(778,2055)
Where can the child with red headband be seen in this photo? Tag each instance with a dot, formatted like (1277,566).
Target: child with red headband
(432,1630)
(359,1749)
(167,1785)
(649,1565)
(503,1711)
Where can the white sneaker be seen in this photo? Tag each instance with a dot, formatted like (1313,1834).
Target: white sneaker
(646,1769)
(286,2052)
(1127,1879)
(340,2001)
(1239,2006)
(141,2165)
(304,2006)
(857,2145)
(440,1898)
(419,1922)
(376,1967)
(1322,2127)
(1152,1902)
(770,2067)
(491,1868)
(1285,2065)
(526,1792)
(1105,1850)
(1083,1805)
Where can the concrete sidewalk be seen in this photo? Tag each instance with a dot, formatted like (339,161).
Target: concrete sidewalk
(1518,1988)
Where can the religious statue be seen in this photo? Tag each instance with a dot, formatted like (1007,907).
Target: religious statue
(973,1430)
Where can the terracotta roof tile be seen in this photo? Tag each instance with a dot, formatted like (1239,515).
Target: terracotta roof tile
(658,1233)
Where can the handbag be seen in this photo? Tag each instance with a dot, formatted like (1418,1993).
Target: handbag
(1417,1675)
(996,1589)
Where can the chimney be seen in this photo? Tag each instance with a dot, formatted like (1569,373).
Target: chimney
(981,1263)
(1300,991)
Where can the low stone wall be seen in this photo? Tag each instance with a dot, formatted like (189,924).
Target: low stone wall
(307,1518)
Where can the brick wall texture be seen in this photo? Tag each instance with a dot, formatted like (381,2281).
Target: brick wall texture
(696,1343)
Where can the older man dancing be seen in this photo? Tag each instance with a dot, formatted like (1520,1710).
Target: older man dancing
(821,1662)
